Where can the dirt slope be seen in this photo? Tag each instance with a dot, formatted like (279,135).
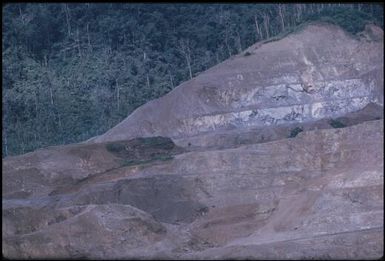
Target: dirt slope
(254,166)
(318,72)
(322,186)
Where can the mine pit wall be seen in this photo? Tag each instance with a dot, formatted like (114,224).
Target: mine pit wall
(235,176)
(247,103)
(286,104)
(317,73)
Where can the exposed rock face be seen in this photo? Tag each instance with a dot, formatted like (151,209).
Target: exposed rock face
(317,195)
(318,72)
(234,181)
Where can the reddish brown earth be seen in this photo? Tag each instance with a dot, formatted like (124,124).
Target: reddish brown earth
(230,179)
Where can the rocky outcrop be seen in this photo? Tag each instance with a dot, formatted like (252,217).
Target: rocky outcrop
(318,72)
(284,161)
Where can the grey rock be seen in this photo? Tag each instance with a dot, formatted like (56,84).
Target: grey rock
(320,71)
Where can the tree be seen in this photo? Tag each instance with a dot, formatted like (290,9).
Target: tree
(281,11)
(185,50)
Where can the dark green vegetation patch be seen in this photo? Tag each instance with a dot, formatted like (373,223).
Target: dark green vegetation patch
(115,147)
(337,124)
(143,150)
(294,132)
(351,20)
(131,162)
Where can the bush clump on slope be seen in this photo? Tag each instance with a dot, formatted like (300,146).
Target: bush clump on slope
(337,124)
(143,150)
(351,20)
(294,132)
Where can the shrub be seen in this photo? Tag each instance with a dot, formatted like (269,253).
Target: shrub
(353,21)
(337,124)
(157,143)
(294,132)
(247,54)
(115,147)
(131,162)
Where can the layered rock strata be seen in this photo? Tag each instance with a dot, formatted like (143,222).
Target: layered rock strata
(318,72)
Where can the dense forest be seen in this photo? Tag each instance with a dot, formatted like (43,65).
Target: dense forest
(72,71)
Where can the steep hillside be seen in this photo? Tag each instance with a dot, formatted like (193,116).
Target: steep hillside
(72,71)
(274,154)
(316,73)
